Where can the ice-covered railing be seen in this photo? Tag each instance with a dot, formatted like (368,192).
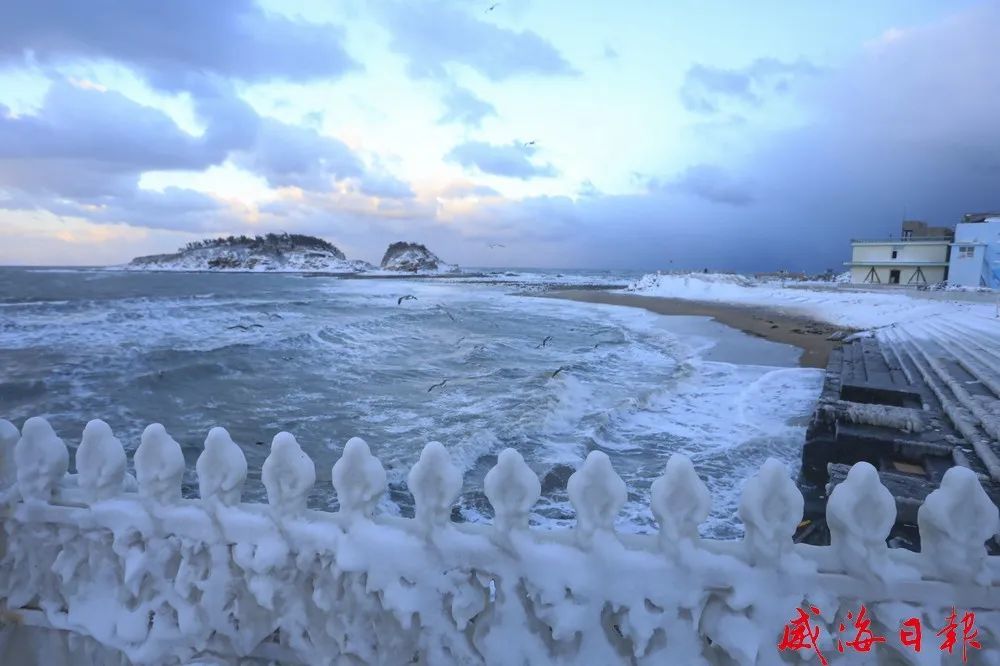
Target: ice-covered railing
(127,567)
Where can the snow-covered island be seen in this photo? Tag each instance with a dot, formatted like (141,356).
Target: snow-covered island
(287,253)
(271,252)
(414,258)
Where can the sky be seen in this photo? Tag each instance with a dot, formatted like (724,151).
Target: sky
(530,133)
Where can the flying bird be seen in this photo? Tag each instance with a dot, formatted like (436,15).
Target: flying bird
(492,7)
(444,310)
(529,143)
(408,297)
(561,368)
(245,327)
(493,245)
(438,385)
(544,342)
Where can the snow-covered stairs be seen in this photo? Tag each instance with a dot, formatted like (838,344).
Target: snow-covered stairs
(913,400)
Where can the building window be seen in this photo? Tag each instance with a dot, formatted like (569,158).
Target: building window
(894,253)
(966,251)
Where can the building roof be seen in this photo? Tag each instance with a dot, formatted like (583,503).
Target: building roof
(912,240)
(979,217)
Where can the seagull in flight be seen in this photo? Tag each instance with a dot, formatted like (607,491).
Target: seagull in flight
(444,310)
(408,297)
(544,342)
(245,327)
(493,245)
(492,7)
(529,143)
(438,385)
(561,368)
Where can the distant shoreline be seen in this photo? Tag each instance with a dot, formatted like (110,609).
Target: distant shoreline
(807,334)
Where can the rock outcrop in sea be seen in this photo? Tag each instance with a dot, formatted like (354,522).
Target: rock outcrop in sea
(413,258)
(272,252)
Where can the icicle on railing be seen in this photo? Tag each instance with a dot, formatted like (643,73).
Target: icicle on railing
(596,592)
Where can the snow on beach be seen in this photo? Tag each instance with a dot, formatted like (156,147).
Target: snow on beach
(838,305)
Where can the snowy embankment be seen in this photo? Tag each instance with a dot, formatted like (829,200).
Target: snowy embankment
(127,566)
(841,306)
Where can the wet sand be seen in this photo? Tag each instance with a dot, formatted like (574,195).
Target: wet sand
(808,335)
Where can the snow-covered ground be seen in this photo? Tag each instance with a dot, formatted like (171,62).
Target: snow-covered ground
(840,305)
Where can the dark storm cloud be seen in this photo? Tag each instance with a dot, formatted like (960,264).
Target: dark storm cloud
(908,125)
(710,183)
(707,89)
(177,41)
(512,160)
(432,35)
(461,106)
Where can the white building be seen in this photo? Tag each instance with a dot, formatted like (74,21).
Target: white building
(975,254)
(918,257)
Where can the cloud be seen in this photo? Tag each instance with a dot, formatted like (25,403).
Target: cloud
(433,35)
(511,160)
(107,127)
(291,155)
(83,153)
(174,208)
(173,43)
(463,190)
(710,183)
(708,89)
(462,106)
(385,186)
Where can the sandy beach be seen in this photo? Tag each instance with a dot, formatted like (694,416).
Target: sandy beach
(808,335)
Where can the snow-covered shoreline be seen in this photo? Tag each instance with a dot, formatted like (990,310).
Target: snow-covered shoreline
(841,305)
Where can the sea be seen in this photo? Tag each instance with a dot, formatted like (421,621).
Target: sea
(478,363)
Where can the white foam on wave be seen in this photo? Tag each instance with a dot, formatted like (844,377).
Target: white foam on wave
(346,358)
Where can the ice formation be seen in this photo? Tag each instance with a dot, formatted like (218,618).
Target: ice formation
(8,440)
(153,578)
(288,474)
(159,465)
(100,462)
(359,479)
(222,468)
(41,458)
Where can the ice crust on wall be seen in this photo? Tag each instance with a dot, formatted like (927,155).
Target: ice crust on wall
(160,579)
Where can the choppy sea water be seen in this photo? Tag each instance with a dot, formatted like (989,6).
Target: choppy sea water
(328,359)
